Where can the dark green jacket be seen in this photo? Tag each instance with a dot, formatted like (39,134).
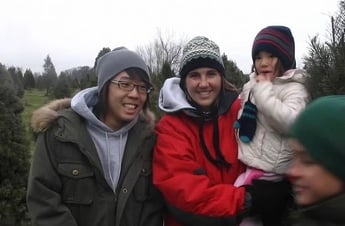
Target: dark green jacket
(67,186)
(328,213)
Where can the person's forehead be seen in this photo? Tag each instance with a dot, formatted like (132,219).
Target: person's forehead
(125,76)
(202,69)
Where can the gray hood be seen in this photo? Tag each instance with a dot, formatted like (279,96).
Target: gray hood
(172,98)
(110,144)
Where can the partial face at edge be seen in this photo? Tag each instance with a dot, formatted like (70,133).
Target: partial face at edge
(311,182)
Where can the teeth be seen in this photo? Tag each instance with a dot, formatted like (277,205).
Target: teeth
(132,106)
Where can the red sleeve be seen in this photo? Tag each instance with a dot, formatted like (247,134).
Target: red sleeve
(173,166)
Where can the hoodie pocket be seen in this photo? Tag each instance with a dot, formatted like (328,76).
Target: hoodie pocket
(78,183)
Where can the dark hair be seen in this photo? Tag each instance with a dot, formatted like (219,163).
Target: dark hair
(228,86)
(101,107)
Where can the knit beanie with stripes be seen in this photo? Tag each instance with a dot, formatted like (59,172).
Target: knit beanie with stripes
(201,52)
(277,40)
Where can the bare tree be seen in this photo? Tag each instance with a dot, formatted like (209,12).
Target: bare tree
(164,49)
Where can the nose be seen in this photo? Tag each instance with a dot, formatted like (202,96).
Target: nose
(293,171)
(203,81)
(134,92)
(265,61)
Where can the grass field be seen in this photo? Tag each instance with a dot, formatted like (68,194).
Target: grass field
(32,100)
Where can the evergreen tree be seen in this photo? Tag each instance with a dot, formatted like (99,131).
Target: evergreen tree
(49,75)
(5,77)
(29,80)
(18,83)
(325,62)
(14,155)
(39,82)
(100,54)
(166,71)
(158,80)
(62,88)
(233,74)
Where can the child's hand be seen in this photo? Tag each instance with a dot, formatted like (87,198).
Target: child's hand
(264,77)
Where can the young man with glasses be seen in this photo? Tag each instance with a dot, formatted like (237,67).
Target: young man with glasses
(92,163)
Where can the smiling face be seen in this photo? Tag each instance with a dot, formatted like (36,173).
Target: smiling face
(123,105)
(311,182)
(203,86)
(267,65)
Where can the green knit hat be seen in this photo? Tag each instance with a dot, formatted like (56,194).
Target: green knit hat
(320,128)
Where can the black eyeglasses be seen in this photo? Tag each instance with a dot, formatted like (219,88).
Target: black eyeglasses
(129,86)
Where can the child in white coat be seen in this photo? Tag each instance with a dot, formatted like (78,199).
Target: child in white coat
(271,100)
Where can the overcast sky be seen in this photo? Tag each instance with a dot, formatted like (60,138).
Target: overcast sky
(72,32)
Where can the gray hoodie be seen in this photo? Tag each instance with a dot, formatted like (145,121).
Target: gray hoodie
(110,144)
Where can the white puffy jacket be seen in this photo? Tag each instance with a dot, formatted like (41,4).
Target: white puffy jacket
(278,103)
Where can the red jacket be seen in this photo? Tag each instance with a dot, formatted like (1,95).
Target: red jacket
(187,179)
